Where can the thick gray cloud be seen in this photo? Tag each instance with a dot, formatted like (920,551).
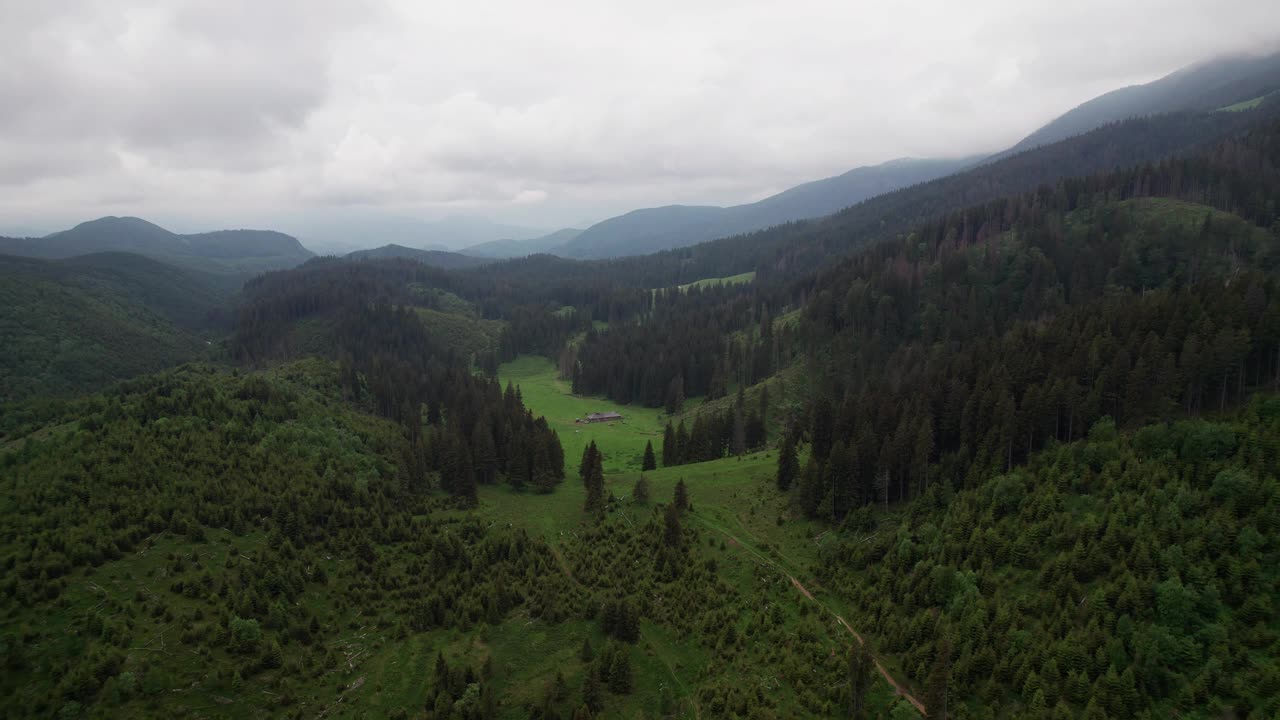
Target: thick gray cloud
(218,112)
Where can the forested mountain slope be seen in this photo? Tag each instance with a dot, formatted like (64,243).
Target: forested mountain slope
(462,429)
(929,286)
(74,325)
(1024,320)
(233,536)
(983,342)
(1125,575)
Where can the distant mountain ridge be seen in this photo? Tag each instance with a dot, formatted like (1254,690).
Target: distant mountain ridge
(651,230)
(233,252)
(1201,87)
(787,252)
(437,258)
(520,248)
(349,232)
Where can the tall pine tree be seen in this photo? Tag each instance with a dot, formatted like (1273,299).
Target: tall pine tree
(594,481)
(788,465)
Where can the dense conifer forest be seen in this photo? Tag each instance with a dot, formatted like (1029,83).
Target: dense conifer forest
(1121,575)
(74,325)
(999,445)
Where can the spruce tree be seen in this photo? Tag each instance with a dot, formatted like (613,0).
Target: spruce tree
(739,446)
(788,464)
(517,466)
(544,478)
(672,533)
(823,430)
(586,459)
(464,483)
(640,493)
(939,681)
(649,462)
(681,497)
(681,453)
(594,480)
(592,693)
(486,454)
(620,672)
(861,674)
(669,446)
(811,490)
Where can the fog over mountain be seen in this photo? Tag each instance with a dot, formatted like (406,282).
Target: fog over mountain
(402,111)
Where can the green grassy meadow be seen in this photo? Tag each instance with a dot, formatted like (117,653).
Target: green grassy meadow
(1246,104)
(621,442)
(739,279)
(747,524)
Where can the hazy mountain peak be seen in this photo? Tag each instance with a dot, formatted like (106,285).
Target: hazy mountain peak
(116,224)
(228,251)
(1206,85)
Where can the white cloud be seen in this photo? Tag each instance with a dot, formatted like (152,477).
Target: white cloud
(547,112)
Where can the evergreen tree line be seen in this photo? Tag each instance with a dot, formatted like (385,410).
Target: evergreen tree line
(660,361)
(714,435)
(695,343)
(986,335)
(462,429)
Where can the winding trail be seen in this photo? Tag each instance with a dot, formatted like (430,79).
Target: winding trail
(898,688)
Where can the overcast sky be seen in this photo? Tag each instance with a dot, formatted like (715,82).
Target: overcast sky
(212,113)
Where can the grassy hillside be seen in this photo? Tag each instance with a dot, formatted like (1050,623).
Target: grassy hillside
(68,326)
(739,279)
(1246,104)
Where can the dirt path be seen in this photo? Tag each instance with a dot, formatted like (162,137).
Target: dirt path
(898,688)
